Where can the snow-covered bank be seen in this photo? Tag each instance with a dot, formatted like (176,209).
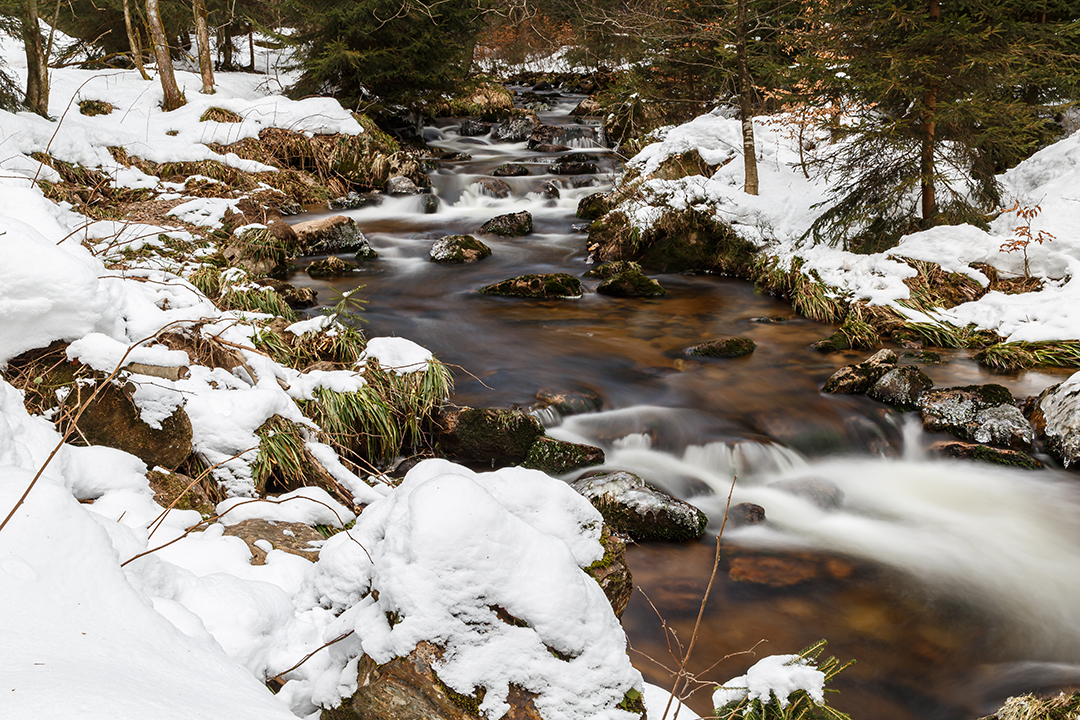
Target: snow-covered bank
(778,220)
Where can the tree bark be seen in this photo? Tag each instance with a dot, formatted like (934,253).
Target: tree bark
(133,41)
(746,104)
(173,97)
(202,34)
(929,128)
(37,65)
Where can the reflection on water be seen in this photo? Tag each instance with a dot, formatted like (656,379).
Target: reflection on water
(952,584)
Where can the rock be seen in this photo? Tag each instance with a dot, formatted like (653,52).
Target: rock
(984,453)
(294,538)
(633,283)
(408,688)
(458,249)
(1056,414)
(557,457)
(768,319)
(549,191)
(113,420)
(784,569)
(612,573)
(401,185)
(355,200)
(858,378)
(546,148)
(979,413)
(336,234)
(258,251)
(607,270)
(171,489)
(745,514)
(573,168)
(488,435)
(555,285)
(544,135)
(588,106)
(515,129)
(509,225)
(510,170)
(570,402)
(471,128)
(725,347)
(332,266)
(593,206)
(633,507)
(580,157)
(429,204)
(493,187)
(298,298)
(901,387)
(822,493)
(541,86)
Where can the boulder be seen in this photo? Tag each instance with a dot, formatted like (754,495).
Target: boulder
(603,271)
(458,249)
(984,453)
(172,489)
(332,266)
(471,128)
(724,347)
(860,377)
(562,167)
(549,191)
(298,298)
(633,507)
(631,283)
(336,234)
(510,170)
(554,285)
(294,538)
(487,435)
(745,514)
(593,206)
(354,200)
(401,185)
(557,457)
(429,204)
(570,402)
(546,148)
(509,225)
(588,106)
(976,413)
(901,387)
(258,251)
(493,187)
(612,573)
(515,129)
(113,420)
(1056,415)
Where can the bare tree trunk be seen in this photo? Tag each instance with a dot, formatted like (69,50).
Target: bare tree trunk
(173,97)
(37,65)
(202,34)
(746,105)
(251,46)
(133,41)
(926,162)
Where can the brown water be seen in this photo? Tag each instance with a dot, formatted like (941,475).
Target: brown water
(951,584)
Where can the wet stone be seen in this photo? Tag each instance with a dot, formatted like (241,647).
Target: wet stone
(631,283)
(557,457)
(633,507)
(458,249)
(746,514)
(549,191)
(493,187)
(984,453)
(570,402)
(593,206)
(1056,414)
(510,170)
(554,285)
(515,129)
(471,128)
(858,378)
(332,266)
(978,413)
(901,387)
(824,494)
(401,185)
(573,168)
(509,225)
(725,347)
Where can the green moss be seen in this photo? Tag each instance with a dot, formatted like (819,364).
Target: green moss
(556,457)
(723,348)
(631,283)
(633,702)
(554,285)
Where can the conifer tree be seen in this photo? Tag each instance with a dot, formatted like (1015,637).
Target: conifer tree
(941,97)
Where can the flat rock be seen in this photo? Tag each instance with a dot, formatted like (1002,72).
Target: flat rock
(860,377)
(551,286)
(984,453)
(639,510)
(294,538)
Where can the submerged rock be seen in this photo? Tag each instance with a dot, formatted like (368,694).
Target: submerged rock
(980,413)
(458,249)
(297,297)
(824,494)
(635,508)
(554,285)
(784,569)
(725,347)
(860,377)
(570,402)
(1056,414)
(488,435)
(901,387)
(984,453)
(557,457)
(509,225)
(510,170)
(493,187)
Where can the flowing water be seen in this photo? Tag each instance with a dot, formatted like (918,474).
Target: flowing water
(953,584)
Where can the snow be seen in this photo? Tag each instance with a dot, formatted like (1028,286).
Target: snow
(308,505)
(775,675)
(398,354)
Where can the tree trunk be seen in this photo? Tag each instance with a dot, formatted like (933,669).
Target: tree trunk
(133,41)
(251,46)
(173,97)
(37,65)
(746,105)
(202,34)
(926,162)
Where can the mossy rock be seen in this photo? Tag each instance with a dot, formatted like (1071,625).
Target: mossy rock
(570,402)
(633,507)
(725,347)
(860,377)
(92,108)
(510,170)
(509,225)
(573,168)
(555,285)
(594,206)
(977,413)
(632,283)
(557,457)
(612,573)
(984,453)
(488,435)
(901,387)
(608,270)
(458,249)
(172,489)
(332,266)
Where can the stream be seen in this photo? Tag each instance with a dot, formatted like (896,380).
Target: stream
(953,584)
